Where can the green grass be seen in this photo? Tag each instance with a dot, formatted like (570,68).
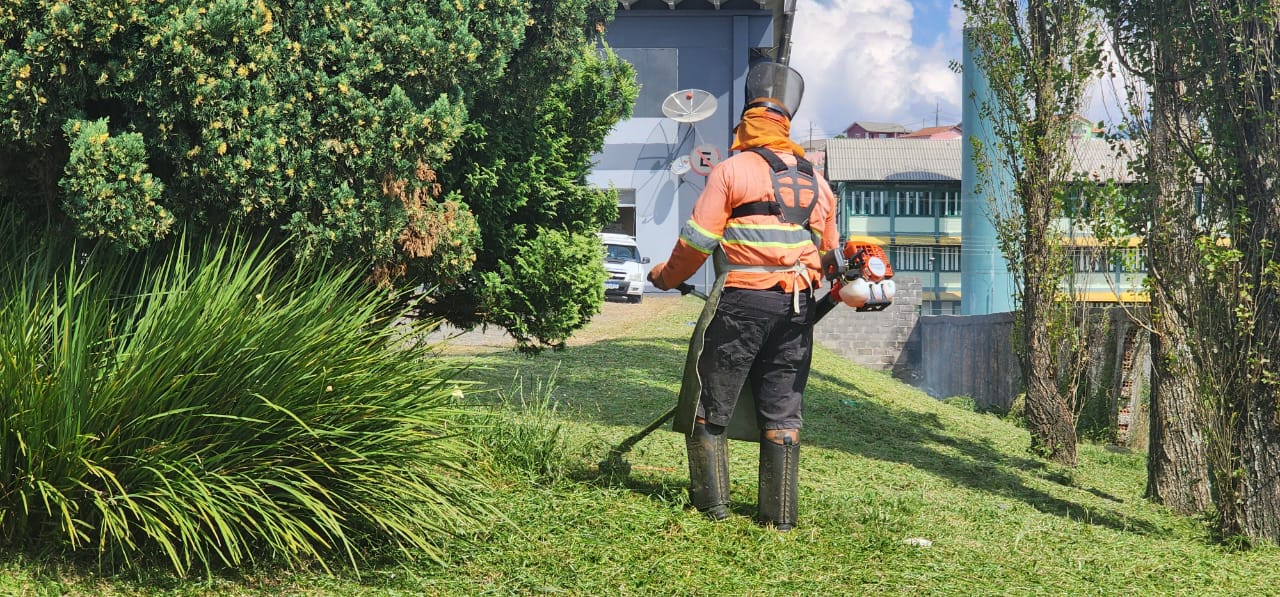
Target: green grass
(881,462)
(211,412)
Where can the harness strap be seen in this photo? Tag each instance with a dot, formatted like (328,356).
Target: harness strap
(803,171)
(776,163)
(756,208)
(798,270)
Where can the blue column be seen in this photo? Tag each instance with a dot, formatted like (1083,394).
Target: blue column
(986,286)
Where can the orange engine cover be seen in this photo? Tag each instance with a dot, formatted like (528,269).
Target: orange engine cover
(869,251)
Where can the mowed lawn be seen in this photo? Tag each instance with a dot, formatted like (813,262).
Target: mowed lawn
(883,465)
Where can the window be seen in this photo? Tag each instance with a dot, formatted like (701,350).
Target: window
(947,203)
(924,258)
(1132,260)
(868,203)
(949,258)
(626,222)
(621,253)
(1102,260)
(907,258)
(914,203)
(1088,260)
(1075,203)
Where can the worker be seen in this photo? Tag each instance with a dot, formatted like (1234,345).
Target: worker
(767,215)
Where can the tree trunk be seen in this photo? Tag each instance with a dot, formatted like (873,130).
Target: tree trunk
(1258,398)
(1261,462)
(1050,421)
(1177,468)
(1177,465)
(1052,426)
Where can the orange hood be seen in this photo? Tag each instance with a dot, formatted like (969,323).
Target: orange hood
(762,128)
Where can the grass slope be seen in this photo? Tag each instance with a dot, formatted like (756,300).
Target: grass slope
(881,462)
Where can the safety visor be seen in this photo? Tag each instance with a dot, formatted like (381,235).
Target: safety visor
(774,85)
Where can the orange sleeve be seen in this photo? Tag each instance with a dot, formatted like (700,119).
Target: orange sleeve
(702,233)
(830,231)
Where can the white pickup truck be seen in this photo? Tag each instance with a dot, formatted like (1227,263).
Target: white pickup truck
(624,265)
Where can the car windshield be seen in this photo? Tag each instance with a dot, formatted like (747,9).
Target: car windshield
(621,253)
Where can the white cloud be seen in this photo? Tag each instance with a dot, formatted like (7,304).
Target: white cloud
(860,63)
(955,24)
(1109,97)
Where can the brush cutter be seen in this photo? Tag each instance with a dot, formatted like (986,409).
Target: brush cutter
(860,276)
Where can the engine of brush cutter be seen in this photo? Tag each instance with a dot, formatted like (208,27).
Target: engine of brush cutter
(861,275)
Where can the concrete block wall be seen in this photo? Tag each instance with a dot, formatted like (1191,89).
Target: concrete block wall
(884,340)
(971,355)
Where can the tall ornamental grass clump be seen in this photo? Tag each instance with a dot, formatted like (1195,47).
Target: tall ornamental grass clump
(207,410)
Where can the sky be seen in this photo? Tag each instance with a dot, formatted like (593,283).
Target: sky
(885,61)
(876,60)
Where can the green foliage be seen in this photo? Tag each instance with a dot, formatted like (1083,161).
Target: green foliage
(314,123)
(562,98)
(107,191)
(207,410)
(962,403)
(527,294)
(524,436)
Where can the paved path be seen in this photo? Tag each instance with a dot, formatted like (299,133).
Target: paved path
(616,319)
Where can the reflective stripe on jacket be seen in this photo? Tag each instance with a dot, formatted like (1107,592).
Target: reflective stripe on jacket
(753,240)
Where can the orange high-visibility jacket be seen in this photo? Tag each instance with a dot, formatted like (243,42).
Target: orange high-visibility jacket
(753,240)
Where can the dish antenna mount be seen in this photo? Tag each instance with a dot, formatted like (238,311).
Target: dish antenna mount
(689,105)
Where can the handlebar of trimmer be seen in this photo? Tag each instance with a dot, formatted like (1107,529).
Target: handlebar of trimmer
(687,288)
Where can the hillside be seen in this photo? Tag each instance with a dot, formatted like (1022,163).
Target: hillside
(881,463)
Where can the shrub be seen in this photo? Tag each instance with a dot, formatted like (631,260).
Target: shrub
(208,410)
(107,191)
(962,403)
(323,123)
(524,436)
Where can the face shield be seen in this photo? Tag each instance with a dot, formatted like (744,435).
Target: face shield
(775,86)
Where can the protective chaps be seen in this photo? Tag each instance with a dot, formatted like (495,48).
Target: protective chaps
(777,489)
(709,471)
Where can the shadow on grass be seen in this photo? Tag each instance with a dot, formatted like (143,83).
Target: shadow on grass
(640,386)
(883,433)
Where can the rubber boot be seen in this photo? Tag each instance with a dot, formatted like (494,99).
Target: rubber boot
(777,489)
(709,471)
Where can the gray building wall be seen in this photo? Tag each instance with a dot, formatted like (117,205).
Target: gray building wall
(674,50)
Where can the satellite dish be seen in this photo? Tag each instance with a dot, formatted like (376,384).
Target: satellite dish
(681,165)
(689,105)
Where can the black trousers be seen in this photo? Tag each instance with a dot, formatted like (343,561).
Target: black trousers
(756,337)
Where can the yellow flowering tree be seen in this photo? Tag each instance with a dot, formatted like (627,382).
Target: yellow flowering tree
(336,126)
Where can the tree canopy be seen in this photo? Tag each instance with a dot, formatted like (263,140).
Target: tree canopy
(431,140)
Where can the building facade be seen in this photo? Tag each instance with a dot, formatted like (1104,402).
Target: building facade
(675,46)
(905,194)
(874,130)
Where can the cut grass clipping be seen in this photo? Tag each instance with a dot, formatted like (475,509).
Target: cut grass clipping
(208,411)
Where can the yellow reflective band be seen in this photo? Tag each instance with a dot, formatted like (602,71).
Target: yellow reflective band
(767,235)
(769,244)
(782,227)
(699,238)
